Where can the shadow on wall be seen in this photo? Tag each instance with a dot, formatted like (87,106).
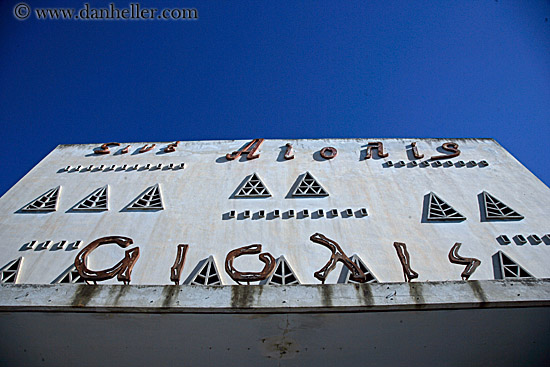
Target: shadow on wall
(497,268)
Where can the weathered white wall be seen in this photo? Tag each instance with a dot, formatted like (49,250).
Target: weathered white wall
(196,198)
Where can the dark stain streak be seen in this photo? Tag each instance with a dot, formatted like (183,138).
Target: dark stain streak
(367,294)
(326,296)
(242,296)
(169,294)
(364,294)
(479,293)
(84,295)
(415,290)
(117,292)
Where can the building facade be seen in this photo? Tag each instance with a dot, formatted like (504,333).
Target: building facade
(335,236)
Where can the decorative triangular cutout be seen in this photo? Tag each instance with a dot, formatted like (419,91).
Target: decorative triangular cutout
(10,272)
(345,274)
(309,186)
(510,269)
(46,203)
(253,188)
(440,210)
(495,209)
(283,274)
(208,274)
(70,276)
(96,201)
(150,199)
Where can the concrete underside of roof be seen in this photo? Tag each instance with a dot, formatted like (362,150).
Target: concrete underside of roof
(505,323)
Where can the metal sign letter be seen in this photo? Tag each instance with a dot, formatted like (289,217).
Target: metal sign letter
(123,269)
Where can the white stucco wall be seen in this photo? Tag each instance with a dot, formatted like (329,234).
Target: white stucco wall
(197,197)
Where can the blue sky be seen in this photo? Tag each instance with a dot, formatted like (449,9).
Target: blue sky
(279,69)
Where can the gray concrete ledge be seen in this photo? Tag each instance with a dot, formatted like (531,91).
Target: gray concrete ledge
(276,299)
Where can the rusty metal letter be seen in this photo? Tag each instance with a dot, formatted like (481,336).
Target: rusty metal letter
(403,255)
(450,147)
(329,152)
(248,277)
(337,255)
(250,148)
(125,150)
(171,147)
(289,154)
(379,146)
(123,269)
(470,262)
(104,149)
(415,151)
(146,148)
(175,270)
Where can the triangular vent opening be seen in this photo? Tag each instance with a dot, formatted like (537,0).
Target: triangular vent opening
(345,275)
(10,272)
(96,201)
(283,274)
(253,188)
(440,210)
(45,203)
(208,274)
(497,210)
(71,276)
(511,269)
(309,186)
(151,199)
